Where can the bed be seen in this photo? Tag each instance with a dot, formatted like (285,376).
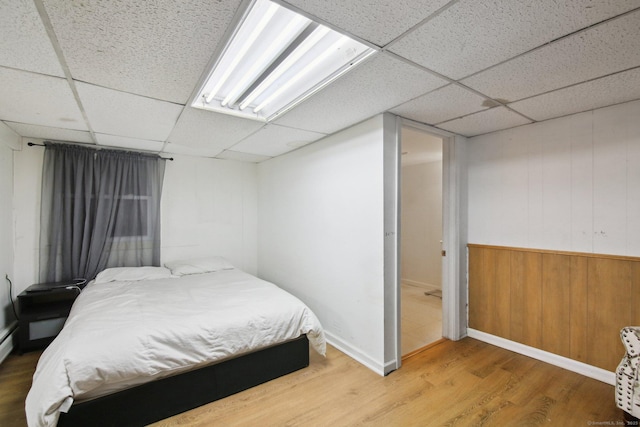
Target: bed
(150,342)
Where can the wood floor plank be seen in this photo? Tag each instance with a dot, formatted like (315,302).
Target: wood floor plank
(462,383)
(15,380)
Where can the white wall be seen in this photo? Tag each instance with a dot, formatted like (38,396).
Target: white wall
(571,183)
(321,234)
(421,210)
(208,207)
(27,182)
(6,232)
(7,140)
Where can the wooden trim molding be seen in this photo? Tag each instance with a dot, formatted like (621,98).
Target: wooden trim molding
(566,303)
(551,251)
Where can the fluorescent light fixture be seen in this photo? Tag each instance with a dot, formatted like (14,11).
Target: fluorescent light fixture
(276,59)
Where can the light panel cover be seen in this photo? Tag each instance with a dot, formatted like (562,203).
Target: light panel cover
(276,59)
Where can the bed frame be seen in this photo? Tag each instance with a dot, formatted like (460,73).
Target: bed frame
(154,401)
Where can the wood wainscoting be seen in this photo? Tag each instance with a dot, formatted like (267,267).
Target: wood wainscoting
(567,303)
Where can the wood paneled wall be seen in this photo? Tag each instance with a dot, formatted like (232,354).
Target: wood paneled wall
(567,303)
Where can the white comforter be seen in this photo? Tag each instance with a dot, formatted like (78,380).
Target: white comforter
(121,334)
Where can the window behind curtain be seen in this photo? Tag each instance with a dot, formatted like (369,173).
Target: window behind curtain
(100,209)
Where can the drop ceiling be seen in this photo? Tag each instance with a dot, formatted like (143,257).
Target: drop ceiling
(121,73)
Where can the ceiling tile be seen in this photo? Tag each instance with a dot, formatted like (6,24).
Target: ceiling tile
(472,35)
(375,86)
(484,122)
(614,89)
(376,21)
(172,148)
(130,143)
(25,43)
(273,140)
(120,113)
(157,49)
(604,49)
(242,157)
(211,131)
(38,99)
(443,104)
(55,134)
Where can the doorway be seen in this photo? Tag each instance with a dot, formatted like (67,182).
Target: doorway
(421,226)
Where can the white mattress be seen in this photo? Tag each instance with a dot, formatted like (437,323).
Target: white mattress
(121,334)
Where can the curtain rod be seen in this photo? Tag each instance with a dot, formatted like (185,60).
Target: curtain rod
(32,144)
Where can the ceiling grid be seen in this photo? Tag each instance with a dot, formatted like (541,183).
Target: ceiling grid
(122,72)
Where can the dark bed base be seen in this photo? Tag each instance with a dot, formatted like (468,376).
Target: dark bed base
(630,420)
(151,402)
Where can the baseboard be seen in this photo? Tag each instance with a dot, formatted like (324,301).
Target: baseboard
(356,354)
(7,336)
(553,359)
(390,366)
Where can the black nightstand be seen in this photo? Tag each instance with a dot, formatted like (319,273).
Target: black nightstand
(43,311)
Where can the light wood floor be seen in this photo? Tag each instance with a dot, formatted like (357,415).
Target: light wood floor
(421,317)
(463,383)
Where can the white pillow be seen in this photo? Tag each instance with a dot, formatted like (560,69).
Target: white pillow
(198,265)
(128,274)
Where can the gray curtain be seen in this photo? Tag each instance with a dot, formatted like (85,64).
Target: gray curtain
(99,209)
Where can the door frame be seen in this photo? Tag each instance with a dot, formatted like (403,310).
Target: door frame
(453,297)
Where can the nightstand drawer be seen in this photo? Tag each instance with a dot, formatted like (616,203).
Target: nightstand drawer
(40,329)
(42,315)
